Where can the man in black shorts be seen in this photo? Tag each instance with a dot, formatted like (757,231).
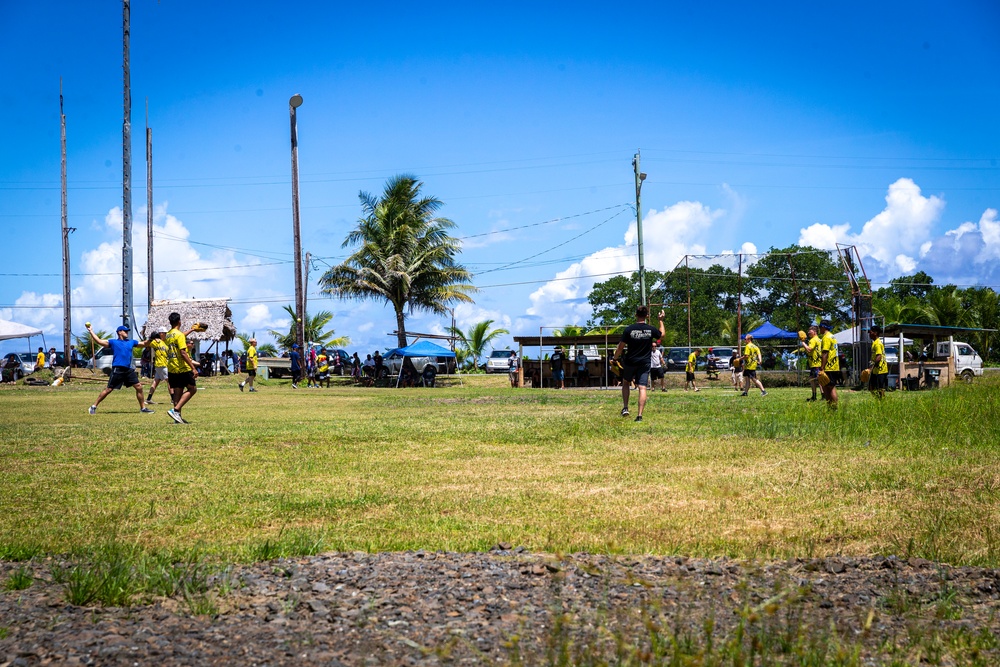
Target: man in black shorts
(637,342)
(122,368)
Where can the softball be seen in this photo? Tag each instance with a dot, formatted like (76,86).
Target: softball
(88,325)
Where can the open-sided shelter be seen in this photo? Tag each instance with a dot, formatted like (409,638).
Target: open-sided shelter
(213,312)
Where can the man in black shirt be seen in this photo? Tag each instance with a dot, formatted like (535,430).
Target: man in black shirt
(637,342)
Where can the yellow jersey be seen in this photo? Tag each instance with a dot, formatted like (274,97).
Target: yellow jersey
(752,354)
(251,358)
(40,361)
(829,345)
(159,353)
(692,362)
(815,355)
(176,341)
(878,348)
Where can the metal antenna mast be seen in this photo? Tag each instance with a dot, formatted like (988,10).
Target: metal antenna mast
(126,177)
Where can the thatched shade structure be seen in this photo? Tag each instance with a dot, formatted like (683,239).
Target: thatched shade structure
(213,312)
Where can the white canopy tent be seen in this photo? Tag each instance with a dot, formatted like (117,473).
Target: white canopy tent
(9,330)
(850,336)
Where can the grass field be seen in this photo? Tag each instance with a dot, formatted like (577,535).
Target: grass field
(285,472)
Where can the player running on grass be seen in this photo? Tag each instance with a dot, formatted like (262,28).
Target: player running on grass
(637,344)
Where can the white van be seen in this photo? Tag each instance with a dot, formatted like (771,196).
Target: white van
(968,363)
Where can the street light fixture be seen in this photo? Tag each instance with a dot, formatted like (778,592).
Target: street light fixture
(639,178)
(294,103)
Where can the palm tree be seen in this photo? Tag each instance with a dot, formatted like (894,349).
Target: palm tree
(86,346)
(727,329)
(475,340)
(898,312)
(944,307)
(404,255)
(313,331)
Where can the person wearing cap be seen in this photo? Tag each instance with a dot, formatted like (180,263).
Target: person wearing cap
(512,363)
(829,362)
(159,348)
(637,344)
(40,359)
(251,365)
(556,363)
(182,370)
(751,360)
(878,378)
(812,349)
(122,368)
(295,361)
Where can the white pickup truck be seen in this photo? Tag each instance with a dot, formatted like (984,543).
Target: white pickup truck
(968,363)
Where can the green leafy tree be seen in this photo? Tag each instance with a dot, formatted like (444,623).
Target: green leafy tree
(614,300)
(475,340)
(894,310)
(713,297)
(917,286)
(730,329)
(790,286)
(944,307)
(985,306)
(86,346)
(313,331)
(403,255)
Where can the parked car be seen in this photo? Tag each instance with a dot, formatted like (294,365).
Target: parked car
(345,361)
(393,362)
(102,361)
(16,365)
(498,362)
(722,357)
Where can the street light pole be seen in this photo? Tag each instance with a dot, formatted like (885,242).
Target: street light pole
(294,103)
(639,178)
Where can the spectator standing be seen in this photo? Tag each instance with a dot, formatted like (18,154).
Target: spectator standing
(689,368)
(830,363)
(122,368)
(295,362)
(637,345)
(582,375)
(814,357)
(158,348)
(74,357)
(40,359)
(356,367)
(182,370)
(556,366)
(379,364)
(512,365)
(657,368)
(878,379)
(251,366)
(52,358)
(751,360)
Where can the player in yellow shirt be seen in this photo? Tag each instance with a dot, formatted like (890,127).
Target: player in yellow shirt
(878,380)
(159,348)
(689,368)
(751,360)
(829,362)
(40,360)
(815,358)
(251,365)
(181,369)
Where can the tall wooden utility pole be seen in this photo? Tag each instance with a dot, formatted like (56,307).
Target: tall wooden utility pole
(149,211)
(639,178)
(126,177)
(67,304)
(300,309)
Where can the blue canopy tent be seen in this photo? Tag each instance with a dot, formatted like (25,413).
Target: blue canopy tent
(422,352)
(768,331)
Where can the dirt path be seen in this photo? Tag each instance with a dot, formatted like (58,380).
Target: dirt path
(509,607)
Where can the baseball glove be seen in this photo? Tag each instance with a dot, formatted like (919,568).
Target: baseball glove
(865,374)
(616,367)
(823,378)
(802,335)
(200,327)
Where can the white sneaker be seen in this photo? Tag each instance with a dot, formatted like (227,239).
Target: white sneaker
(295,386)
(93,410)
(176,416)
(241,386)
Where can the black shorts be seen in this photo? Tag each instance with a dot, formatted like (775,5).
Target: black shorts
(750,373)
(834,377)
(638,373)
(180,380)
(657,373)
(251,372)
(688,376)
(122,376)
(814,372)
(878,381)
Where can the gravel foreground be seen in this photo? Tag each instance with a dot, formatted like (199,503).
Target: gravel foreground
(510,606)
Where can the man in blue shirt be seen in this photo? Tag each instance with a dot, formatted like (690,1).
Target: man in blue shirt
(122,368)
(296,362)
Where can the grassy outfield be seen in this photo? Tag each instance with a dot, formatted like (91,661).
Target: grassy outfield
(285,472)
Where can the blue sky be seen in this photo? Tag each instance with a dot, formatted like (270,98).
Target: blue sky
(758,127)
